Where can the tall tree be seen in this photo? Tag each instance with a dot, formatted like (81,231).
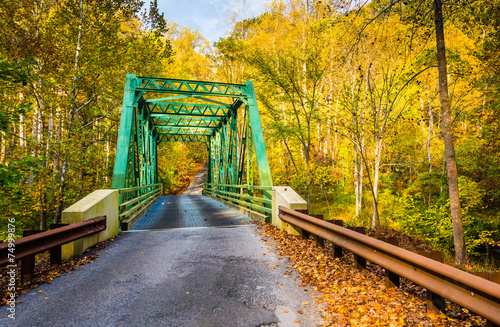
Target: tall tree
(451,163)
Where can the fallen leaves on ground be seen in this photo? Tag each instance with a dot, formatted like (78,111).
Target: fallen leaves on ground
(44,273)
(356,298)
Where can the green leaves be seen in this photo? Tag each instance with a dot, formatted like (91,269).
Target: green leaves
(13,76)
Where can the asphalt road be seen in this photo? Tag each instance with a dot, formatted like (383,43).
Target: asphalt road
(196,185)
(202,276)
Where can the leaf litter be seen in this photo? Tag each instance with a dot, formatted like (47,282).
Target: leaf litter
(353,297)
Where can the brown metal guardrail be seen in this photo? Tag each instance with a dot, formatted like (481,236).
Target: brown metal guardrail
(474,293)
(26,247)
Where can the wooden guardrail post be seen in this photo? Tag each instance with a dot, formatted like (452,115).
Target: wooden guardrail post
(303,233)
(359,261)
(337,250)
(28,263)
(56,252)
(392,279)
(435,302)
(319,241)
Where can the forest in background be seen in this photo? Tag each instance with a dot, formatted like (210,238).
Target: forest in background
(348,91)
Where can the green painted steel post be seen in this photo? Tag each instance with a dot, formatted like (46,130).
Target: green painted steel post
(258,137)
(233,165)
(125,134)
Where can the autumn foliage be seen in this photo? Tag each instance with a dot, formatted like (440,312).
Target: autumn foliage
(357,298)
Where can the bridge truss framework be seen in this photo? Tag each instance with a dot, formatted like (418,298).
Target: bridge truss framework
(223,116)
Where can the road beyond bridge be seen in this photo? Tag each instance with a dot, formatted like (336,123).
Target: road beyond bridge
(175,277)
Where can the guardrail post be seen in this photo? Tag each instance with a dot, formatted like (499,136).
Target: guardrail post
(359,261)
(56,253)
(392,279)
(493,276)
(319,241)
(303,233)
(337,250)
(28,263)
(490,323)
(435,302)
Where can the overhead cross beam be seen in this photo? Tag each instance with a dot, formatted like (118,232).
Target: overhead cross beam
(161,107)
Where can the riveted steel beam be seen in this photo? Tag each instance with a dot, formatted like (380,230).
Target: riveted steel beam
(183,131)
(183,138)
(157,115)
(152,84)
(187,108)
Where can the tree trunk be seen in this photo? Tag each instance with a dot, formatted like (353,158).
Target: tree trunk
(376,171)
(358,179)
(72,113)
(429,134)
(3,141)
(451,164)
(106,164)
(22,131)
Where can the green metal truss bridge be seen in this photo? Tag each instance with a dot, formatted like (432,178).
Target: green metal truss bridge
(223,116)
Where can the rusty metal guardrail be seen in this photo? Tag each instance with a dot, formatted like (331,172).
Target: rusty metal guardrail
(26,247)
(474,293)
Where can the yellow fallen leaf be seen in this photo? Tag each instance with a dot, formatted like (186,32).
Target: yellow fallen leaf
(187,292)
(142,252)
(45,298)
(297,321)
(286,311)
(305,303)
(40,291)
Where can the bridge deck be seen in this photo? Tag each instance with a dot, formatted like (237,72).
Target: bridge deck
(179,211)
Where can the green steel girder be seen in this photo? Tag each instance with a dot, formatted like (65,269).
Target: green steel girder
(183,138)
(181,128)
(234,137)
(186,121)
(158,115)
(195,109)
(183,131)
(192,88)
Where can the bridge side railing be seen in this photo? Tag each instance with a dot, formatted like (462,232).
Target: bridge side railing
(242,195)
(135,200)
(474,293)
